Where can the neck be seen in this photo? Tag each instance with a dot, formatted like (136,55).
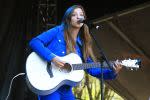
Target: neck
(74,32)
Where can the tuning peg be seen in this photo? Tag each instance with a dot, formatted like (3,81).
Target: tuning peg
(131,69)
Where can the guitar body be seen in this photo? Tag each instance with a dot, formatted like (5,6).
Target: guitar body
(41,82)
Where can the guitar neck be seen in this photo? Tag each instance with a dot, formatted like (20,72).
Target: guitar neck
(126,63)
(88,65)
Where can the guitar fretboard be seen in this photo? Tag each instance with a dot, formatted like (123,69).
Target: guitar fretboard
(88,65)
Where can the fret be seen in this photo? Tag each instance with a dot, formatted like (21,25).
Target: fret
(85,66)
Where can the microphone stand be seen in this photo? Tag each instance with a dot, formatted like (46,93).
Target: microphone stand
(103,59)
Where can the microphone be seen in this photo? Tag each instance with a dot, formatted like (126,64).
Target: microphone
(89,23)
(82,20)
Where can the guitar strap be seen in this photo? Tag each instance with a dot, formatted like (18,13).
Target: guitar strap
(49,69)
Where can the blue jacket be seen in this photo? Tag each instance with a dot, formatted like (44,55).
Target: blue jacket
(52,43)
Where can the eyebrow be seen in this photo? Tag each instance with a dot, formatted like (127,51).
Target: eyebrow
(79,12)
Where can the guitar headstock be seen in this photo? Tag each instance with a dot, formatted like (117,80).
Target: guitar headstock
(131,63)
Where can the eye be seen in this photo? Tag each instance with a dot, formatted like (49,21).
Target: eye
(73,15)
(82,14)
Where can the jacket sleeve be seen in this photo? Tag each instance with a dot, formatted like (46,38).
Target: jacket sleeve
(39,43)
(108,74)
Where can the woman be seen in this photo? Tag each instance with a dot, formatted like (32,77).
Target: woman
(70,36)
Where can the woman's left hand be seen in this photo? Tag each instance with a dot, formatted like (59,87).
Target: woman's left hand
(117,66)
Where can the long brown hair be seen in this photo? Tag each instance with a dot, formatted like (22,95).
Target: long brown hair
(85,36)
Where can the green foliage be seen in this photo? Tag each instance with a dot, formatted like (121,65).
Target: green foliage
(89,89)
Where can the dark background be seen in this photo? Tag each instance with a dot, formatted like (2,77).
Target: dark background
(98,8)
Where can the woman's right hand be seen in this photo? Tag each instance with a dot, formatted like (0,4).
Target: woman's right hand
(56,60)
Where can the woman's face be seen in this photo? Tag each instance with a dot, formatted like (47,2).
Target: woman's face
(76,16)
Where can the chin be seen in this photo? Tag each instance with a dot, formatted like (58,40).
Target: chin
(76,26)
(79,26)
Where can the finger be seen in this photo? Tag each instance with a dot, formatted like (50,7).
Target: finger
(117,61)
(117,66)
(60,64)
(114,67)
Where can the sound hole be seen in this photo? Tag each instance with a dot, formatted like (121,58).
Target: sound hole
(67,67)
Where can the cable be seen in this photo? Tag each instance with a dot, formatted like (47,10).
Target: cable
(12,82)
